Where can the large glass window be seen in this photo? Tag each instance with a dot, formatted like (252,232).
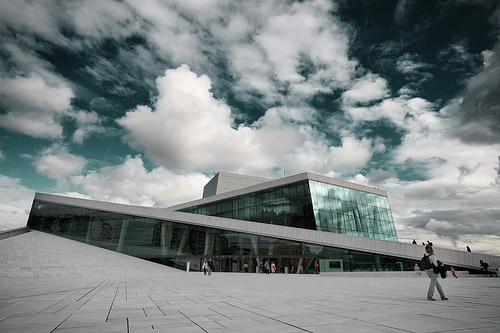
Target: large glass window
(175,244)
(288,205)
(311,205)
(352,212)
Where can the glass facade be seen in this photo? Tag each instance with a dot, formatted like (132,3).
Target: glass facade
(351,212)
(310,205)
(175,244)
(288,205)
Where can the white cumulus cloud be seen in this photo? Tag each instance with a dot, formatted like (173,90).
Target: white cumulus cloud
(87,123)
(33,107)
(278,44)
(188,129)
(15,202)
(132,183)
(366,89)
(56,162)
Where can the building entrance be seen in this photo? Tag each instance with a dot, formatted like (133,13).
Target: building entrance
(251,264)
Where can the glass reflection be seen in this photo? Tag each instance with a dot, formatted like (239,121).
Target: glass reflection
(175,244)
(352,212)
(311,205)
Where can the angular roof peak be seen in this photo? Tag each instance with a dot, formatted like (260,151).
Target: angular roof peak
(225,182)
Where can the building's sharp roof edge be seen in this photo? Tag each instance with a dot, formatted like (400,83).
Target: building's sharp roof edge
(389,248)
(279,182)
(347,184)
(245,190)
(223,173)
(223,182)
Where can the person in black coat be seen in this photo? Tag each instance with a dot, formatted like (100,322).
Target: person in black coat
(210,266)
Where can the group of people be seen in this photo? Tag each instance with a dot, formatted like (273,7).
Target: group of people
(207,267)
(424,244)
(267,268)
(430,243)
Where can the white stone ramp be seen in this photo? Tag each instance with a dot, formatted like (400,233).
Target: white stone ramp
(52,284)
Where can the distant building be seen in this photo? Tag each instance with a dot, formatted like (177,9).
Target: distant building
(300,223)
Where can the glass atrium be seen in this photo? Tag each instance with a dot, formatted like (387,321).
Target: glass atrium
(312,205)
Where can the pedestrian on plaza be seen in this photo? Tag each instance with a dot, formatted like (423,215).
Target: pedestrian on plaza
(266,267)
(453,272)
(429,269)
(210,266)
(261,267)
(417,269)
(273,267)
(205,267)
(484,267)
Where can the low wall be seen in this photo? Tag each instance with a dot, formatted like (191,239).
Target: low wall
(406,274)
(13,232)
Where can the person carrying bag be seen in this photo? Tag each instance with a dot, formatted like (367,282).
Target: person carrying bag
(431,266)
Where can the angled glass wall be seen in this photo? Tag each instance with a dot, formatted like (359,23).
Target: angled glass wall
(310,205)
(352,212)
(175,244)
(288,205)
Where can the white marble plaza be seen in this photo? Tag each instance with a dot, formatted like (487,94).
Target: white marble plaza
(52,284)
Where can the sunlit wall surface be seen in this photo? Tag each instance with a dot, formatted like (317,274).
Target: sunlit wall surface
(351,212)
(175,244)
(310,205)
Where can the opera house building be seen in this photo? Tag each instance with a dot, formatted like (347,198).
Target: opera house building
(304,223)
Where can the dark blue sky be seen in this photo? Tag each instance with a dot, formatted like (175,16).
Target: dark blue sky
(142,102)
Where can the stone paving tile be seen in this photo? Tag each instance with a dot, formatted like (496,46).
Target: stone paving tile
(26,323)
(492,329)
(101,328)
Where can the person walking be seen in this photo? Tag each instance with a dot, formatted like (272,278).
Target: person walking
(205,267)
(453,272)
(210,266)
(484,267)
(417,269)
(429,269)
